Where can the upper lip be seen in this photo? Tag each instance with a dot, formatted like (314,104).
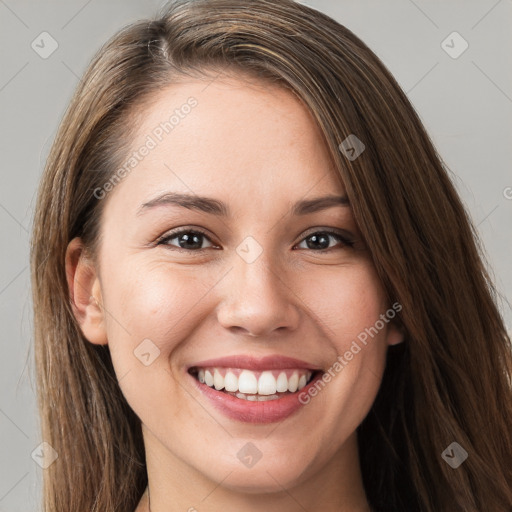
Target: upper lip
(255,363)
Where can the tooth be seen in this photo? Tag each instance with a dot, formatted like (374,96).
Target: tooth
(293,382)
(264,398)
(231,382)
(267,384)
(200,375)
(247,382)
(208,378)
(302,381)
(282,383)
(252,398)
(240,395)
(218,380)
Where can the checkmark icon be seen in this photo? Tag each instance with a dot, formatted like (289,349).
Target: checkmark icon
(44,455)
(146,352)
(249,249)
(454,455)
(44,45)
(249,455)
(454,45)
(352,147)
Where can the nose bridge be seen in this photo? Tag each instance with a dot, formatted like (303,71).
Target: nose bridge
(259,276)
(256,297)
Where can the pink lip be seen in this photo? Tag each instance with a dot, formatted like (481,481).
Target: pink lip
(254,412)
(256,364)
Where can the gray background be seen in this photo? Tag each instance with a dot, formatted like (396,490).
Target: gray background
(465,104)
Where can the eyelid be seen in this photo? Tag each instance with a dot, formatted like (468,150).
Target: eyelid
(345,235)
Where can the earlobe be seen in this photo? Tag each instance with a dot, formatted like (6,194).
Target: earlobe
(85,293)
(395,334)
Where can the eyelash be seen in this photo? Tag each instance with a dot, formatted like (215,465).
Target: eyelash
(346,242)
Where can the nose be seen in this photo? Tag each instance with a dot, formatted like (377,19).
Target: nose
(257,299)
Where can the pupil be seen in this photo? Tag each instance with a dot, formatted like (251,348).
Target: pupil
(194,240)
(322,239)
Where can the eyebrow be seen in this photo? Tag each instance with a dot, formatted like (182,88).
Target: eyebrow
(218,208)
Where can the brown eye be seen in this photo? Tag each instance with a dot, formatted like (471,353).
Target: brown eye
(320,240)
(188,240)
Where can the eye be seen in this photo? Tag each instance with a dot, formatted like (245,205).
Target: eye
(192,240)
(319,240)
(188,239)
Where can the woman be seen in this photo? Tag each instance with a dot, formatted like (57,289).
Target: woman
(255,287)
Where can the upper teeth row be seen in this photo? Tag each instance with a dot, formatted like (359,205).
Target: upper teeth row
(248,381)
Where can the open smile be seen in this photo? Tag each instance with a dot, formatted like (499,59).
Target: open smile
(256,391)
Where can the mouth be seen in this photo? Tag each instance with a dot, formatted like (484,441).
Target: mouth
(253,390)
(261,386)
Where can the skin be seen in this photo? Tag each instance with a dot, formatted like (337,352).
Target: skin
(257,149)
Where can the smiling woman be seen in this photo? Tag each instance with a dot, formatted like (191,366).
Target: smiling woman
(272,300)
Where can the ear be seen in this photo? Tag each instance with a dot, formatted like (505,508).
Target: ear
(85,293)
(395,333)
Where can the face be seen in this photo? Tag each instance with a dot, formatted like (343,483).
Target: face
(258,289)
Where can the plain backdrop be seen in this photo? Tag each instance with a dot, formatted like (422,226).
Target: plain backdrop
(464,100)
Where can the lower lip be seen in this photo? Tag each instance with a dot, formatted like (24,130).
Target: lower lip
(248,411)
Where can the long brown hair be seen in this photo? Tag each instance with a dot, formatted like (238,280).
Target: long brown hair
(450,381)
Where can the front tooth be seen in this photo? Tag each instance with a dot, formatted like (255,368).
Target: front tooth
(252,398)
(267,384)
(282,383)
(208,378)
(247,382)
(218,380)
(302,381)
(231,382)
(293,382)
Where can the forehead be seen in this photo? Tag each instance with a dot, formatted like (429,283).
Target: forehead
(228,137)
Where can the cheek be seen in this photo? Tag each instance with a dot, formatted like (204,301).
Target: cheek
(349,305)
(346,302)
(155,302)
(151,311)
